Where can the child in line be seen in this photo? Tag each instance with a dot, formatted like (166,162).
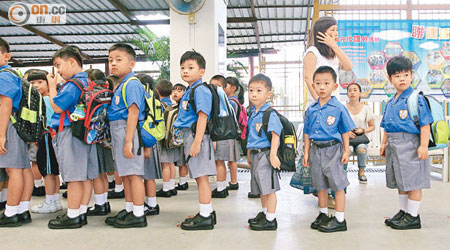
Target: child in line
(197,144)
(78,161)
(45,154)
(124,120)
(262,153)
(177,93)
(405,146)
(326,132)
(13,150)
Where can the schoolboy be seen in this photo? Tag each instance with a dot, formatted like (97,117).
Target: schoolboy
(13,150)
(124,120)
(262,153)
(327,123)
(405,146)
(177,93)
(198,146)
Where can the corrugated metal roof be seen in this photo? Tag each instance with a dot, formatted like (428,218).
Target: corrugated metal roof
(95,25)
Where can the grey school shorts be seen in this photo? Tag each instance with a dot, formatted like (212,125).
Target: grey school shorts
(32,151)
(152,165)
(227,150)
(125,166)
(77,160)
(327,171)
(203,164)
(17,155)
(404,170)
(169,155)
(181,157)
(105,159)
(262,174)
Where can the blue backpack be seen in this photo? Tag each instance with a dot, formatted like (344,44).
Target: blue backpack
(439,127)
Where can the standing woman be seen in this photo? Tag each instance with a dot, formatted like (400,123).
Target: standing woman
(363,119)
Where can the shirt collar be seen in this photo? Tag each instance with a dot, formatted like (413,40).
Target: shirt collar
(333,102)
(165,99)
(131,74)
(5,67)
(199,81)
(262,109)
(406,93)
(80,75)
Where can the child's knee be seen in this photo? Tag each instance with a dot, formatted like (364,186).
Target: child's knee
(361,150)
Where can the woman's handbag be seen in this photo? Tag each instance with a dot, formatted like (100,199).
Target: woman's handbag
(359,139)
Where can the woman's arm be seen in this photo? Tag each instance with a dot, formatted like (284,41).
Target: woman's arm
(371,126)
(309,66)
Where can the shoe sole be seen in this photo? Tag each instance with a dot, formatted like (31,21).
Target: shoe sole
(332,231)
(263,229)
(152,213)
(12,225)
(130,226)
(44,212)
(207,227)
(103,214)
(65,227)
(362,182)
(406,228)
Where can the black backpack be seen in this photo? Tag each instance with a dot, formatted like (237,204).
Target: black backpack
(218,127)
(30,120)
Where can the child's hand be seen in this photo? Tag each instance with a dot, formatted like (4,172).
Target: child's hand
(52,80)
(2,145)
(305,160)
(214,146)
(274,161)
(422,152)
(345,157)
(351,135)
(249,161)
(195,149)
(147,153)
(382,150)
(128,150)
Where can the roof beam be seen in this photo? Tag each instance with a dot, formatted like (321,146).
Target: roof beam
(269,6)
(266,35)
(267,42)
(71,34)
(255,25)
(113,11)
(123,9)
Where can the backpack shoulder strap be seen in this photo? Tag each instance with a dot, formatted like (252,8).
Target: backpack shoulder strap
(413,106)
(12,72)
(265,120)
(124,87)
(191,100)
(238,105)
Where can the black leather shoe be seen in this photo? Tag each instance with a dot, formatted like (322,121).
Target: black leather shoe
(407,222)
(108,207)
(63,186)
(162,193)
(2,205)
(252,195)
(83,219)
(257,219)
(213,214)
(198,223)
(362,179)
(111,184)
(38,191)
(232,186)
(64,194)
(332,225)
(396,217)
(185,186)
(13,221)
(219,194)
(173,192)
(110,220)
(25,217)
(265,225)
(64,222)
(130,221)
(151,210)
(99,210)
(116,195)
(321,218)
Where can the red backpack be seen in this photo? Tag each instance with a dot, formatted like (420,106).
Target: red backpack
(241,117)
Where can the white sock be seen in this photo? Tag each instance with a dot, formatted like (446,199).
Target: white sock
(4,195)
(183,180)
(339,216)
(49,198)
(11,210)
(129,206)
(270,216)
(39,183)
(324,210)
(205,209)
(105,196)
(83,209)
(151,201)
(265,210)
(138,211)
(413,207)
(172,183)
(73,213)
(166,186)
(56,197)
(118,188)
(23,206)
(221,185)
(110,178)
(99,199)
(403,202)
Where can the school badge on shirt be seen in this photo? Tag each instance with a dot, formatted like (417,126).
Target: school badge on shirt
(258,127)
(403,114)
(117,100)
(331,120)
(184,105)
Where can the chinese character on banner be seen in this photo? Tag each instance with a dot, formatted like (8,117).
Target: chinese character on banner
(432,33)
(349,39)
(343,40)
(444,33)
(364,39)
(418,31)
(357,38)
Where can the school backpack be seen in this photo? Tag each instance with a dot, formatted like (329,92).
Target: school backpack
(242,119)
(439,127)
(89,119)
(174,136)
(287,150)
(153,128)
(30,120)
(222,123)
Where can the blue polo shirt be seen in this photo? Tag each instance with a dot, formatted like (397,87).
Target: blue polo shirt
(134,94)
(255,123)
(67,98)
(167,101)
(396,116)
(11,86)
(203,102)
(327,122)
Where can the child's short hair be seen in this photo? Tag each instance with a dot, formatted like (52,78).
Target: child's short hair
(69,52)
(125,48)
(95,74)
(194,55)
(221,79)
(146,80)
(113,81)
(164,88)
(37,74)
(179,86)
(4,46)
(325,69)
(398,64)
(261,78)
